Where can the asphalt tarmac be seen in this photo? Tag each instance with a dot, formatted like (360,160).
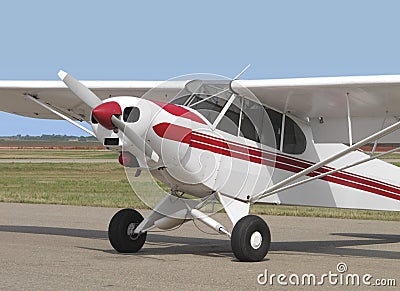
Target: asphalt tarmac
(48,247)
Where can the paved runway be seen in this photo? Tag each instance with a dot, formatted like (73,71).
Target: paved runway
(66,247)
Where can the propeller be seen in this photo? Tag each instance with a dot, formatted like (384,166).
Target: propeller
(80,90)
(106,113)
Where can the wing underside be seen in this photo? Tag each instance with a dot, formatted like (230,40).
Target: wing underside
(374,101)
(56,94)
(370,96)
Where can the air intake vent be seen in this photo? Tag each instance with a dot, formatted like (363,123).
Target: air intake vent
(111,141)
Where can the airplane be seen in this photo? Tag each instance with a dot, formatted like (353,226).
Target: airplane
(234,142)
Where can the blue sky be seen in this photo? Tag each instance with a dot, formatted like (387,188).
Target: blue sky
(158,40)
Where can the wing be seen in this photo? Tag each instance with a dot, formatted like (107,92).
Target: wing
(58,96)
(374,102)
(370,96)
(373,99)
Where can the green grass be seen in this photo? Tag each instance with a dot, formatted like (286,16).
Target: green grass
(390,156)
(304,211)
(106,185)
(95,184)
(56,154)
(4,142)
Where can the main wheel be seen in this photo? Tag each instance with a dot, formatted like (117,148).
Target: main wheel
(250,239)
(120,231)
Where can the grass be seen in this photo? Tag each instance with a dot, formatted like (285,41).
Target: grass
(56,154)
(106,185)
(95,184)
(304,211)
(4,142)
(390,156)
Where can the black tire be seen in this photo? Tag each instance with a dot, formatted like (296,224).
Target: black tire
(241,239)
(118,231)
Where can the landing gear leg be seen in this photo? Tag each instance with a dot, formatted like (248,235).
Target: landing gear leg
(121,231)
(250,239)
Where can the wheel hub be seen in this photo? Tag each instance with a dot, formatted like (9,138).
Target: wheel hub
(256,240)
(130,231)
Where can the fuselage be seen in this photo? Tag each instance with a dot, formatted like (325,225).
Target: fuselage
(206,151)
(198,157)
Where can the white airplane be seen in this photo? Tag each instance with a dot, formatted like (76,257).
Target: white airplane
(298,145)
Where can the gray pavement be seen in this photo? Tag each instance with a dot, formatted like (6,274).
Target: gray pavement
(48,247)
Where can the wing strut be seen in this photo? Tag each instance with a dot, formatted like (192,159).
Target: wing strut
(383,125)
(63,116)
(277,187)
(349,119)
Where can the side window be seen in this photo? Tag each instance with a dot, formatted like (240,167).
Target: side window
(276,122)
(266,128)
(247,128)
(294,141)
(256,124)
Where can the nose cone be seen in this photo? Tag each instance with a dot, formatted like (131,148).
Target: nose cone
(105,111)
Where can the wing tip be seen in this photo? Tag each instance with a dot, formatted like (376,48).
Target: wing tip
(62,74)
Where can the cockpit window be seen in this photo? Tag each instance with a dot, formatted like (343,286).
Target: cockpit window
(250,120)
(230,121)
(256,124)
(180,100)
(294,141)
(208,105)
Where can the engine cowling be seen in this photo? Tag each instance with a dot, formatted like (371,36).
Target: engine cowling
(103,113)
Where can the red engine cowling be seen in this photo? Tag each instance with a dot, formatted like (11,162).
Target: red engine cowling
(105,111)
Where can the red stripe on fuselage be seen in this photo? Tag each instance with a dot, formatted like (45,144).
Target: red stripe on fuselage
(287,163)
(302,164)
(179,111)
(173,132)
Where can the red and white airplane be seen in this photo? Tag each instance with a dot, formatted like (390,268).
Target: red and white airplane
(285,141)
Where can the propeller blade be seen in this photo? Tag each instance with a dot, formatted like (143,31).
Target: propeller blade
(81,91)
(135,139)
(88,97)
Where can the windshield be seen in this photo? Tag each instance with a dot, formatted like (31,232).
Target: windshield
(208,97)
(208,105)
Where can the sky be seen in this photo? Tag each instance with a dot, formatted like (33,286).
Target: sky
(159,40)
